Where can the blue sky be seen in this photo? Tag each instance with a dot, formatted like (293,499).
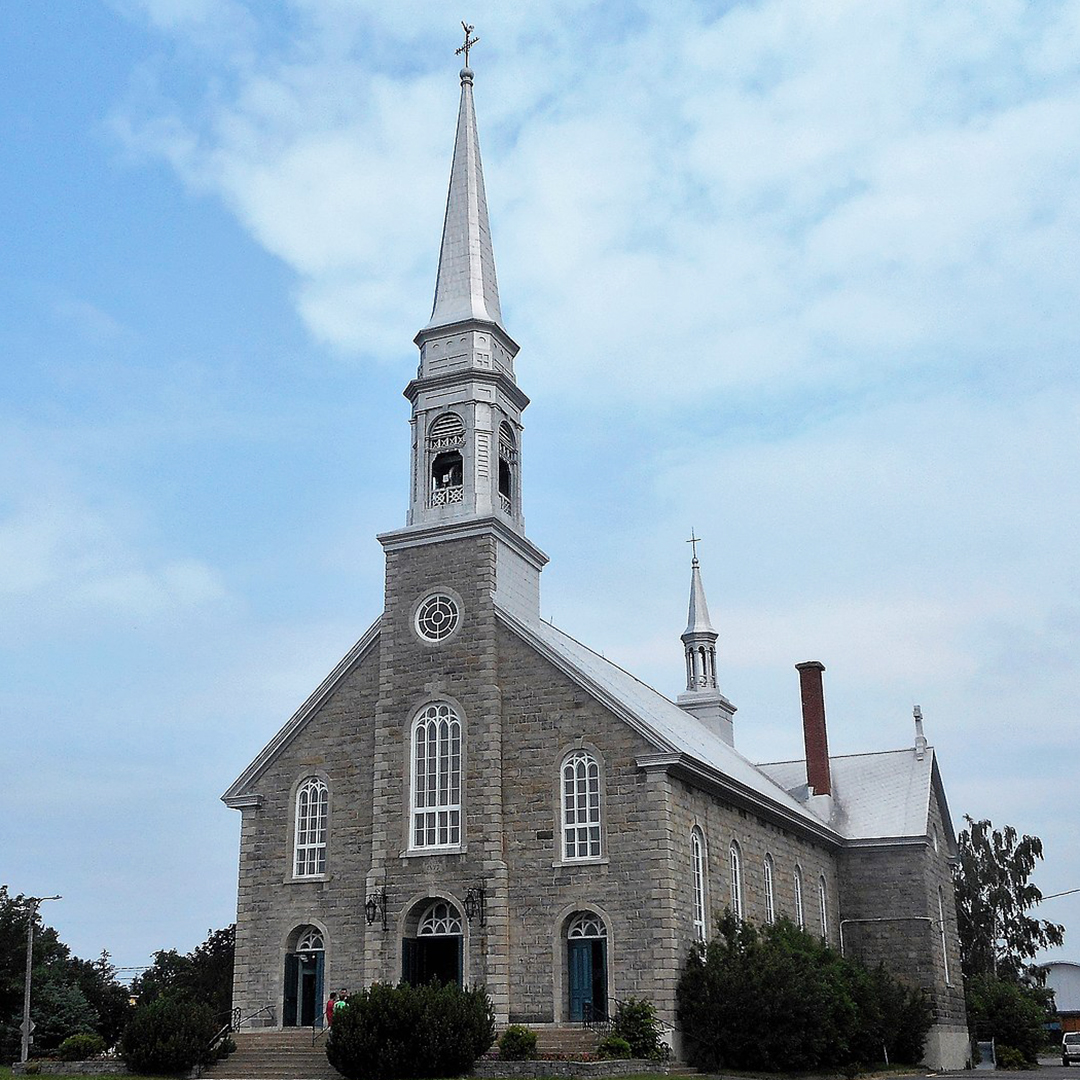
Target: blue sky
(802,276)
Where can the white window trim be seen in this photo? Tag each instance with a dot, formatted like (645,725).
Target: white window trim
(770,891)
(440,819)
(309,836)
(735,857)
(800,911)
(823,903)
(944,937)
(698,879)
(578,830)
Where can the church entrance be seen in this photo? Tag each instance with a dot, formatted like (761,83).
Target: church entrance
(586,966)
(304,980)
(435,954)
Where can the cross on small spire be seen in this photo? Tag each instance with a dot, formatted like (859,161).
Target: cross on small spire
(694,540)
(470,41)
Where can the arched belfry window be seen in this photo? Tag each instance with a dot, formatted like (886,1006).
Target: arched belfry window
(309,837)
(507,467)
(445,441)
(436,776)
(581,806)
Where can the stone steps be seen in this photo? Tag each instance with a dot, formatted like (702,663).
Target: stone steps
(285,1054)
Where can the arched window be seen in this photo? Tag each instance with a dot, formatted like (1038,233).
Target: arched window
(581,806)
(310,940)
(445,440)
(697,858)
(586,924)
(736,881)
(309,843)
(770,894)
(440,920)
(507,466)
(941,930)
(436,788)
(800,914)
(823,902)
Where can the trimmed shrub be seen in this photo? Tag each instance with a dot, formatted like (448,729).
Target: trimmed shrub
(1008,1057)
(517,1043)
(613,1047)
(635,1021)
(168,1035)
(392,1032)
(81,1047)
(776,998)
(1012,1014)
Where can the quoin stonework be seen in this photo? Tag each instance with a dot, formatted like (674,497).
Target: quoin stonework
(471,794)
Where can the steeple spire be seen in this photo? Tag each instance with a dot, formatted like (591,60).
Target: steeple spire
(466,287)
(702,696)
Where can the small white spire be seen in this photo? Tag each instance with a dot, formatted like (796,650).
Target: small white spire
(920,738)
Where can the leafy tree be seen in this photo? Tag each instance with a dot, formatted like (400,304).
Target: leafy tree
(70,996)
(204,974)
(779,999)
(168,1035)
(993,897)
(1012,1014)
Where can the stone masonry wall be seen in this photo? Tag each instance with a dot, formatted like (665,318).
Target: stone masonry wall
(336,744)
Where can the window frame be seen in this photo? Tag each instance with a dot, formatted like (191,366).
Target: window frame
(309,856)
(699,877)
(736,880)
(769,879)
(800,909)
(448,784)
(823,904)
(591,830)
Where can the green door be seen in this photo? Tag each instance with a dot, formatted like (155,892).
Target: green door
(587,969)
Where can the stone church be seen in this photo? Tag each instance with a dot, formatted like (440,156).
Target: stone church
(472,794)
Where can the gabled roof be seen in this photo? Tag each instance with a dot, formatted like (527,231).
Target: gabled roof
(239,793)
(880,796)
(671,730)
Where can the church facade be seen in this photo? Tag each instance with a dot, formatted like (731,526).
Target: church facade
(472,794)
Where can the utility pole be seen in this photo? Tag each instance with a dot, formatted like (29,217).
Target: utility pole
(27,1027)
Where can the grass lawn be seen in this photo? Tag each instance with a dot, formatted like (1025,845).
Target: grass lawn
(7,1074)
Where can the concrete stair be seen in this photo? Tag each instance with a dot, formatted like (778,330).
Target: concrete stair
(568,1041)
(285,1054)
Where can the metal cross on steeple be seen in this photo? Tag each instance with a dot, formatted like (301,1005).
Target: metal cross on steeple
(695,540)
(470,41)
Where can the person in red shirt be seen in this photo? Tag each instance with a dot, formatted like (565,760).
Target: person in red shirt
(331,1001)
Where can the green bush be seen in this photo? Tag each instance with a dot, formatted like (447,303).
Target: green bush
(1008,1057)
(1012,1014)
(635,1021)
(517,1043)
(779,999)
(81,1047)
(612,1046)
(168,1035)
(390,1032)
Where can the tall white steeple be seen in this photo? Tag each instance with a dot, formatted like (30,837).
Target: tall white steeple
(702,697)
(466,454)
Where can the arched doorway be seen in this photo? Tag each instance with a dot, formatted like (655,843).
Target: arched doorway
(586,966)
(302,1005)
(434,953)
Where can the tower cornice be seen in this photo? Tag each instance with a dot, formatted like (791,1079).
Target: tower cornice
(468,375)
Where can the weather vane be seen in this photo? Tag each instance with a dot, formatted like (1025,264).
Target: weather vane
(695,540)
(470,41)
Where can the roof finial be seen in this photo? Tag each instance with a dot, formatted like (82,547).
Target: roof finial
(694,540)
(470,41)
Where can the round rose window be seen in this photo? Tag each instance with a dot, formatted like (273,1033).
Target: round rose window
(437,617)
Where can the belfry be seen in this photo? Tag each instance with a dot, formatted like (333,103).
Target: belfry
(473,795)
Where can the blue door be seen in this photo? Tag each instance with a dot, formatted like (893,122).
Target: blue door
(587,969)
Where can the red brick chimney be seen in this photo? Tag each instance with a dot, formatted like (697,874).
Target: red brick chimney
(813,720)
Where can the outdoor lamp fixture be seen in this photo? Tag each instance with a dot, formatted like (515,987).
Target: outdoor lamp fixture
(374,906)
(474,905)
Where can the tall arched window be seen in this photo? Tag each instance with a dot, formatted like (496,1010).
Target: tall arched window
(770,893)
(436,770)
(800,914)
(823,902)
(736,881)
(941,930)
(581,806)
(309,836)
(697,858)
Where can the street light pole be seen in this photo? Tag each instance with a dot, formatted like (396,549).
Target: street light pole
(34,901)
